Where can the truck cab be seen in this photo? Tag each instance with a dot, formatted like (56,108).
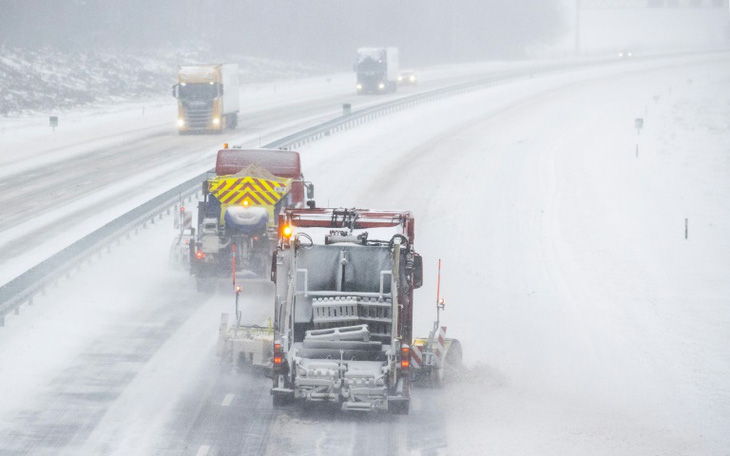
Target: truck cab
(207,97)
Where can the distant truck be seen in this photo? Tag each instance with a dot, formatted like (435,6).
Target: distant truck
(377,70)
(344,308)
(237,218)
(207,98)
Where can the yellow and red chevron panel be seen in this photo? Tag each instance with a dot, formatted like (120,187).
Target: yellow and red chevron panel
(248,191)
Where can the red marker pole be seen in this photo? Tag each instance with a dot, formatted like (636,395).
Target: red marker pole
(438,284)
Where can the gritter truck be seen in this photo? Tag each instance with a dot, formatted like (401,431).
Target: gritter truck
(207,98)
(237,218)
(344,281)
(377,70)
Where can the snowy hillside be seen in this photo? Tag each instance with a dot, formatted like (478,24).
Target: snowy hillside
(51,80)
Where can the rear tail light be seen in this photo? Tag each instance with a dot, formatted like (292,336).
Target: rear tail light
(200,255)
(278,356)
(405,357)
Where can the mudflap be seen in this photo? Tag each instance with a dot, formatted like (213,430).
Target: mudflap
(399,405)
(281,398)
(281,393)
(400,402)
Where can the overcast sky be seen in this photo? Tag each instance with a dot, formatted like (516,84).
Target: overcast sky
(329,31)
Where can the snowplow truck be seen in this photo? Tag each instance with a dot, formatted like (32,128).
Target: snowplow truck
(344,281)
(377,70)
(237,218)
(207,98)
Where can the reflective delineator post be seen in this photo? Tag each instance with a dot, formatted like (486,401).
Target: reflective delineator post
(638,124)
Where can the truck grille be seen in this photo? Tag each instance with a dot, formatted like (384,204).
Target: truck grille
(198,116)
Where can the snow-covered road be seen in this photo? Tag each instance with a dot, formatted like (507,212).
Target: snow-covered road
(58,186)
(590,325)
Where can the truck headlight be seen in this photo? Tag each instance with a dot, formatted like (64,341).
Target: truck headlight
(216,121)
(359,86)
(381,86)
(180,122)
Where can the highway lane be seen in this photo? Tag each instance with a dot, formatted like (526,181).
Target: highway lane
(144,378)
(75,182)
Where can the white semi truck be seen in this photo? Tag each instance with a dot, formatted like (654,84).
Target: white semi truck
(377,70)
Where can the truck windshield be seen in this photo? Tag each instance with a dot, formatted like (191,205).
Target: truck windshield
(204,91)
(370,66)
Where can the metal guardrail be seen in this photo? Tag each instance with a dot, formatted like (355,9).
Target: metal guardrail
(23,288)
(347,121)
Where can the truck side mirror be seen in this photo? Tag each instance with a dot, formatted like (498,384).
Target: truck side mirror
(310,189)
(174,90)
(311,204)
(417,271)
(205,187)
(220,90)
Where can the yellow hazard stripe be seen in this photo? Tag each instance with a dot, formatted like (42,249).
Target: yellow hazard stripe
(237,190)
(264,194)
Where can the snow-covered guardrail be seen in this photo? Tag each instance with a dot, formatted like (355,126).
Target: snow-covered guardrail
(23,288)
